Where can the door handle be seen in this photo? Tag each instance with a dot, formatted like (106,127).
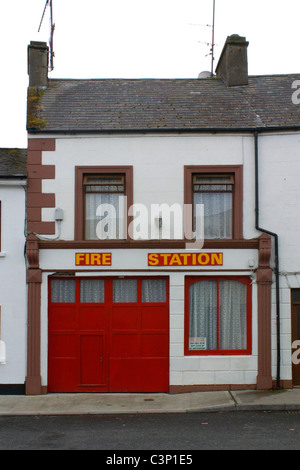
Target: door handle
(101,359)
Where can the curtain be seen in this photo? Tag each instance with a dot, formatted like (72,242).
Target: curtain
(92,290)
(203,315)
(112,226)
(154,290)
(233,315)
(125,290)
(217,214)
(63,290)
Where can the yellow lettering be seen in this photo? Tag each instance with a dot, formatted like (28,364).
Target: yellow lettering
(165,257)
(153,259)
(217,258)
(95,258)
(185,257)
(106,259)
(79,258)
(200,258)
(175,259)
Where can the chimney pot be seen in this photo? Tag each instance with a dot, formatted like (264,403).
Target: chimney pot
(38,64)
(233,63)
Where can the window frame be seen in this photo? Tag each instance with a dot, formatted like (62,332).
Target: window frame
(189,280)
(237,192)
(80,173)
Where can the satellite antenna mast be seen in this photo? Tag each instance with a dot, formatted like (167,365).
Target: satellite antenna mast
(52,27)
(213,38)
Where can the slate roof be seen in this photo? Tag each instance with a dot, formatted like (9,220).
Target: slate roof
(13,162)
(165,104)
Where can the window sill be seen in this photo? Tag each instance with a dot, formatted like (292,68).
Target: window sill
(2,254)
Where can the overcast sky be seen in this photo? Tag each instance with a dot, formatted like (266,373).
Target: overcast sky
(137,39)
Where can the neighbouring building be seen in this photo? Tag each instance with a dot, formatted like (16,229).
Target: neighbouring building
(13,299)
(123,294)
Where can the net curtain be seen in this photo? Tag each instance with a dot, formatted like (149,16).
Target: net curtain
(232,313)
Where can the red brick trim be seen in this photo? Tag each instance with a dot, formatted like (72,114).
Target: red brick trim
(264,284)
(34,280)
(36,200)
(41,144)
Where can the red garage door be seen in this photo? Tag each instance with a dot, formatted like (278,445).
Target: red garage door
(108,335)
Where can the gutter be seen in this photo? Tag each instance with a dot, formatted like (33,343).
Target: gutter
(165,130)
(275,236)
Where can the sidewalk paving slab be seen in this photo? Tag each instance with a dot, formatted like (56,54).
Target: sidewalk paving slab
(110,403)
(118,403)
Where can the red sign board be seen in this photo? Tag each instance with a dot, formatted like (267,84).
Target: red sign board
(185,259)
(93,259)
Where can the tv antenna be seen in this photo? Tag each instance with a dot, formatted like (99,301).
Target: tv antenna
(213,38)
(212,43)
(52,27)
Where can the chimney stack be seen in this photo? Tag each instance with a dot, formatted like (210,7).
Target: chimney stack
(233,63)
(38,64)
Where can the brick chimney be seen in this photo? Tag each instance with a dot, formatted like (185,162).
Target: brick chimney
(38,64)
(233,63)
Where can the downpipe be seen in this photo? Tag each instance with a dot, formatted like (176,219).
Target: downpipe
(275,236)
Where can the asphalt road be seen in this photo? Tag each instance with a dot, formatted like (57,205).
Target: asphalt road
(158,434)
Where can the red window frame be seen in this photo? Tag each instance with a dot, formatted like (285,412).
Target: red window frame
(218,352)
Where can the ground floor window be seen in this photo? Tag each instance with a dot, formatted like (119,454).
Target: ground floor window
(217,316)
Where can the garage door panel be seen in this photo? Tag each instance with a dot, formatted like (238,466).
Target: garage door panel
(92,360)
(138,375)
(125,318)
(62,345)
(154,318)
(154,345)
(63,373)
(125,345)
(93,318)
(62,318)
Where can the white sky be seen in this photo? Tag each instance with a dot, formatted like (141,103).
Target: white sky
(137,39)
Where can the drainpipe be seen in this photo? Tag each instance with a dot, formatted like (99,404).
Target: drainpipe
(275,236)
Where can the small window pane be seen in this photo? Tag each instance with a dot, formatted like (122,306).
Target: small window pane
(105,214)
(296,295)
(63,290)
(217,214)
(233,315)
(203,315)
(213,179)
(154,290)
(92,290)
(124,290)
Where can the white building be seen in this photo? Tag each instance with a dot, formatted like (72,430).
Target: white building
(13,299)
(138,305)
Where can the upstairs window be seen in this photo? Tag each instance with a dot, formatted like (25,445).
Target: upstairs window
(103,196)
(218,190)
(104,206)
(215,192)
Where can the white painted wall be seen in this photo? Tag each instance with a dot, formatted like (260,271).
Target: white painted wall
(13,297)
(279,169)
(158,163)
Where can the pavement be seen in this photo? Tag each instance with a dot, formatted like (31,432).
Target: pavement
(120,403)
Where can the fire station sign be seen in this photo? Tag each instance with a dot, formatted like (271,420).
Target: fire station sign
(185,259)
(93,259)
